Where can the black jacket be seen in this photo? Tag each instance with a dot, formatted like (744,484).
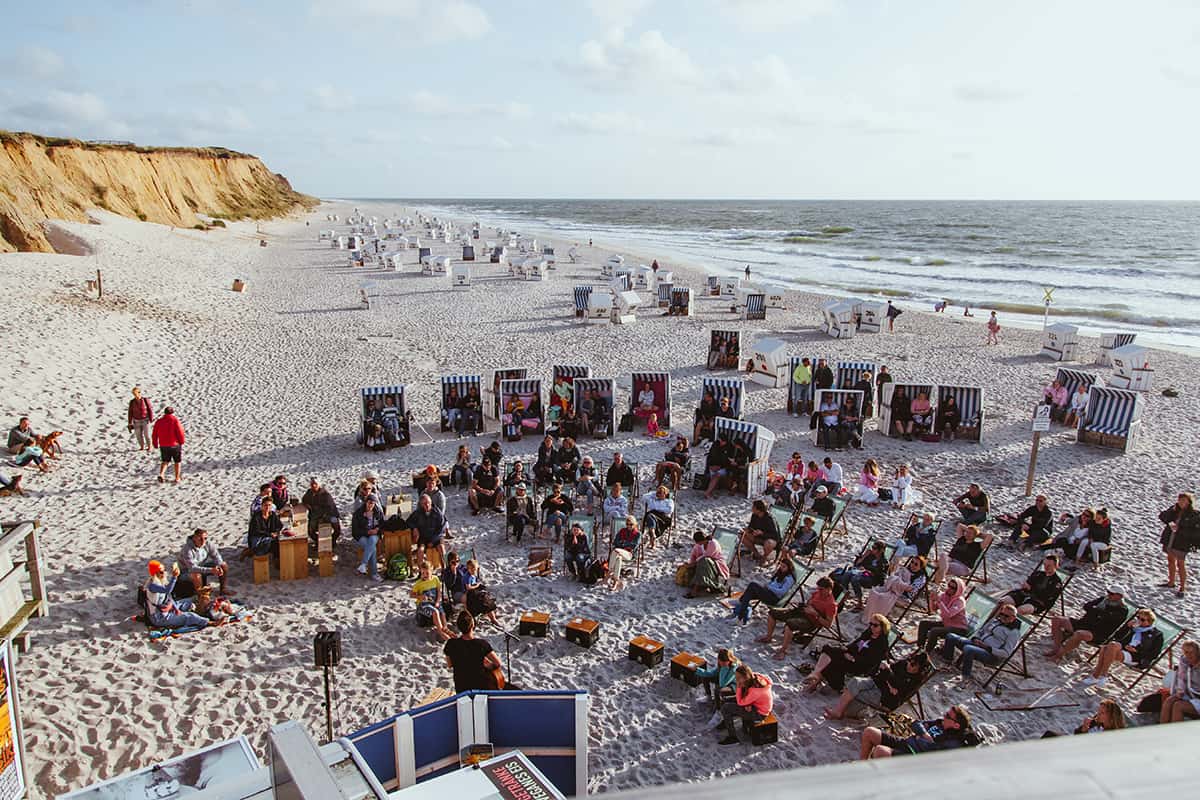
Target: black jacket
(1043,589)
(870,656)
(823,377)
(1188,522)
(1148,649)
(1102,619)
(1040,521)
(619,473)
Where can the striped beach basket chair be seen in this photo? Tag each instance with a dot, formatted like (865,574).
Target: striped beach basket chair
(681,302)
(970,408)
(384,417)
(603,390)
(838,396)
(756,306)
(533,418)
(582,295)
(1072,379)
(491,389)
(660,384)
(664,295)
(1110,342)
(911,390)
(733,388)
(759,441)
(461,385)
(1113,418)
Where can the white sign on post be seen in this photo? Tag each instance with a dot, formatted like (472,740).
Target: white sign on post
(1041,418)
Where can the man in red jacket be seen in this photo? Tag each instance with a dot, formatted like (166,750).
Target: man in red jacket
(168,438)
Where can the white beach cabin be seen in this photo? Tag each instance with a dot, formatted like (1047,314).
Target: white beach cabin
(599,307)
(729,286)
(626,304)
(536,269)
(460,276)
(759,441)
(769,363)
(1113,419)
(643,277)
(837,319)
(1060,342)
(872,316)
(1110,342)
(1131,368)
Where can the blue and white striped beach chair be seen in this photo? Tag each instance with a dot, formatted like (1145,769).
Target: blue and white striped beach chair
(970,409)
(756,306)
(759,442)
(582,294)
(462,385)
(384,417)
(1113,418)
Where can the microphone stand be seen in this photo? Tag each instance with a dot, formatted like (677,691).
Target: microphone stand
(508,639)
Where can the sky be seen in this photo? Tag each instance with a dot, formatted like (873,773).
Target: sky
(771,99)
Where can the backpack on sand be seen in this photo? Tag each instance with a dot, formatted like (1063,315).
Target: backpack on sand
(397,568)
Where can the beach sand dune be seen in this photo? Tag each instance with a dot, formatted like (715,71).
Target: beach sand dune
(266,382)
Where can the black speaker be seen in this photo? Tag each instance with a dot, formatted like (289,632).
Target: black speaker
(327,648)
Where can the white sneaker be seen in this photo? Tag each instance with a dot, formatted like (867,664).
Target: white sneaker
(714,721)
(377,577)
(1090,681)
(362,569)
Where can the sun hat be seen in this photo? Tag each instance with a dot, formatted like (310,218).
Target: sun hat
(155,567)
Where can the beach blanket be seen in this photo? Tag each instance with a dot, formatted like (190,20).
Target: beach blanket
(240,614)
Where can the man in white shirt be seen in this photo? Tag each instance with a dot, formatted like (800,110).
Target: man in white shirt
(828,422)
(831,476)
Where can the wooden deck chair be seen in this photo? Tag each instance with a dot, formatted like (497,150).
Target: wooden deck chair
(535,524)
(917,516)
(981,608)
(840,504)
(730,541)
(784,517)
(638,554)
(665,536)
(1172,633)
(589,529)
(973,576)
(823,534)
(924,599)
(834,631)
(802,574)
(911,698)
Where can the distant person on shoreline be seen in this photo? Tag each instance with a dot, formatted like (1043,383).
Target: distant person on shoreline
(967,311)
(942,306)
(993,329)
(654,266)
(892,313)
(747,272)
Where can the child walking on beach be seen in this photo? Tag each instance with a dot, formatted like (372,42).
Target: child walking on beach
(993,329)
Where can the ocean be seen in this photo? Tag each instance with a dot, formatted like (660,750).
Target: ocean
(1113,266)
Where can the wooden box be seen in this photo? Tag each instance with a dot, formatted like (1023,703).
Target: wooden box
(645,650)
(262,569)
(293,558)
(765,731)
(684,666)
(325,565)
(583,632)
(397,542)
(534,623)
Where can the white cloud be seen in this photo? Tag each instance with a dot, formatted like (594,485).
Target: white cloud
(429,104)
(763,16)
(985,93)
(733,137)
(428,20)
(768,74)
(77,114)
(598,122)
(625,63)
(327,98)
(1183,77)
(32,62)
(617,13)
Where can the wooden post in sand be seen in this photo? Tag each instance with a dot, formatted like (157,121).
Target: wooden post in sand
(1041,422)
(99,286)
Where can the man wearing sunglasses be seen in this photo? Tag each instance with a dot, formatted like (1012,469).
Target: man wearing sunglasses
(991,643)
(951,731)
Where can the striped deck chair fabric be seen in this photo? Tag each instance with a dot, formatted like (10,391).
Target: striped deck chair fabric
(1073,378)
(582,294)
(733,388)
(680,301)
(664,295)
(756,307)
(970,408)
(571,371)
(758,441)
(462,384)
(847,373)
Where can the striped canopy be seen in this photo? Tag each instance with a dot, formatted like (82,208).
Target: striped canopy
(969,400)
(847,373)
(378,391)
(756,306)
(1112,411)
(664,293)
(1073,378)
(571,371)
(733,388)
(462,383)
(582,293)
(757,438)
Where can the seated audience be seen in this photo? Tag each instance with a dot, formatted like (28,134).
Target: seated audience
(1033,526)
(805,539)
(903,492)
(902,415)
(718,464)
(803,620)
(952,731)
(860,657)
(556,510)
(968,548)
(516,475)
(782,581)
(867,490)
(492,453)
(917,540)
(365,526)
(543,467)
(658,514)
(200,559)
(794,468)
(586,484)
(760,530)
(992,642)
(460,471)
(619,472)
(454,584)
(973,505)
(1137,645)
(577,550)
(615,506)
(265,527)
(707,567)
(827,423)
(1101,619)
(427,592)
(951,607)
(887,689)
(1095,541)
(1077,407)
(1056,396)
(673,463)
(850,423)
(831,476)
(566,461)
(949,418)
(21,436)
(903,584)
(822,504)
(478,600)
(1068,541)
(485,493)
(1182,700)
(520,511)
(1039,591)
(322,510)
(12,484)
(922,413)
(718,681)
(623,550)
(430,525)
(706,416)
(1108,717)
(162,609)
(867,571)
(752,701)
(279,492)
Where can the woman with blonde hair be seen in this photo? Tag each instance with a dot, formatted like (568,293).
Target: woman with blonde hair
(1108,717)
(860,657)
(905,583)
(1183,699)
(1138,645)
(867,490)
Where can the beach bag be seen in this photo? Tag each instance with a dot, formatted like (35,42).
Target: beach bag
(683,575)
(397,568)
(700,481)
(594,572)
(885,495)
(480,601)
(626,425)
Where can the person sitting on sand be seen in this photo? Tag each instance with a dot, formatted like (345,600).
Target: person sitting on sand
(903,584)
(659,508)
(556,510)
(990,643)
(11,484)
(831,476)
(21,436)
(470,658)
(952,731)
(949,417)
(265,527)
(973,505)
(622,551)
(867,490)
(794,468)
(812,475)
(1138,645)
(951,607)
(964,554)
(903,492)
(1039,591)
(485,494)
(162,609)
(1102,618)
(1108,717)
(860,657)
(760,530)
(673,463)
(478,599)
(1077,406)
(427,592)
(1077,527)
(719,681)
(615,506)
(1036,523)
(200,559)
(867,571)
(752,701)
(782,581)
(1096,540)
(707,567)
(886,689)
(1182,700)
(803,620)
(32,454)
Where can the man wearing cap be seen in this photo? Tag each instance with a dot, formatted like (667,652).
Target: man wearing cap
(822,504)
(168,437)
(200,559)
(322,509)
(162,609)
(1101,619)
(520,511)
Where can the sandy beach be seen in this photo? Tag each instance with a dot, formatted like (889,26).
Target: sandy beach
(267,382)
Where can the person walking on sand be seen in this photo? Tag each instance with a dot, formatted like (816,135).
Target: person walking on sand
(747,272)
(168,437)
(993,329)
(139,417)
(654,266)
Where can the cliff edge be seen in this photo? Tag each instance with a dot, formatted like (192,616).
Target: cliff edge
(43,178)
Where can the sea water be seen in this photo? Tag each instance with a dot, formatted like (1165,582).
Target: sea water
(1131,267)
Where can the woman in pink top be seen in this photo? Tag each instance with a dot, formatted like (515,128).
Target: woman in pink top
(951,607)
(867,490)
(753,702)
(710,573)
(922,412)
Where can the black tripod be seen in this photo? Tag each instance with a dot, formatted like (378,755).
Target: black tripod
(509,638)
